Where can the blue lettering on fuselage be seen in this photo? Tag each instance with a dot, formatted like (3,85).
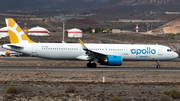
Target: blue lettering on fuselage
(143,51)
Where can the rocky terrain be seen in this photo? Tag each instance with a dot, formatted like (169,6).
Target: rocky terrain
(71,4)
(138,2)
(70,63)
(169,27)
(46,85)
(52,85)
(48,4)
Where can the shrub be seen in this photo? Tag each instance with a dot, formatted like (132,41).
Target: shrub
(53,31)
(165,98)
(70,89)
(23,88)
(170,33)
(116,98)
(12,90)
(172,37)
(175,94)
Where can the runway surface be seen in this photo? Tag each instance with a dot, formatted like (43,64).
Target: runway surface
(89,69)
(102,88)
(78,68)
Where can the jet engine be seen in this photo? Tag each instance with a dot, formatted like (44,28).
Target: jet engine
(111,61)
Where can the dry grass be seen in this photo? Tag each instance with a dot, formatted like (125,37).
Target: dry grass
(70,89)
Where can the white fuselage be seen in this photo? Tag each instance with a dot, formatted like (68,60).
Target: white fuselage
(73,51)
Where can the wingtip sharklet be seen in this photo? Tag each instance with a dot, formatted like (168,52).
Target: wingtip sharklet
(82,44)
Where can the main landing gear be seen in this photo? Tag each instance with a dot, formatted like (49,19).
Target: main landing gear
(158,65)
(91,65)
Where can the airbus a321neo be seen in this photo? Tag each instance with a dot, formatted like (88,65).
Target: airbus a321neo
(105,54)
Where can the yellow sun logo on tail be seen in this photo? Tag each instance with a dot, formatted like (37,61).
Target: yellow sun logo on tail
(16,34)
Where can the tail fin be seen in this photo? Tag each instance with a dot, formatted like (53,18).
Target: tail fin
(16,34)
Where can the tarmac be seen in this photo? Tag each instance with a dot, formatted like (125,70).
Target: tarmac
(81,68)
(90,69)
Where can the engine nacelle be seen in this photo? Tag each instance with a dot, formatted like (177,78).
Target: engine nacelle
(112,61)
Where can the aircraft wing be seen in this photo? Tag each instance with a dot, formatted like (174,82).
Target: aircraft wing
(94,54)
(90,52)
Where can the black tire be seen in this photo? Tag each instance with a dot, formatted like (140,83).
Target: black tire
(158,66)
(89,65)
(94,65)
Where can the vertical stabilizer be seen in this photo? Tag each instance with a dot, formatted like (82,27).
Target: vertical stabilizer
(16,34)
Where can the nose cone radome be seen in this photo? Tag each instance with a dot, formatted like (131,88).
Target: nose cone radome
(175,55)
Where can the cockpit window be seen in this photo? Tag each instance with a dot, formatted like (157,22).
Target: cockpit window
(169,50)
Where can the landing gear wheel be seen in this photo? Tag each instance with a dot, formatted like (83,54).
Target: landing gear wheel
(93,65)
(88,64)
(158,66)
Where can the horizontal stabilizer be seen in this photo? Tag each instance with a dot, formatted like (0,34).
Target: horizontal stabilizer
(15,47)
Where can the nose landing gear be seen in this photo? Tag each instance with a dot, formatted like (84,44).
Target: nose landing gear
(158,65)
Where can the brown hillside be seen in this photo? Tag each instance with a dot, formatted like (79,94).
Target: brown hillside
(170,27)
(136,2)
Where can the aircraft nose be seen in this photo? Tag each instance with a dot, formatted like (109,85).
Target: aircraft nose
(176,55)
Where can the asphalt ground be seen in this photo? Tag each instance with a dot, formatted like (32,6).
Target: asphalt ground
(79,68)
(89,69)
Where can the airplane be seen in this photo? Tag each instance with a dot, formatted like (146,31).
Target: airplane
(4,53)
(7,53)
(105,54)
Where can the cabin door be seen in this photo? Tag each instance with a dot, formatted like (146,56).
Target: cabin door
(160,50)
